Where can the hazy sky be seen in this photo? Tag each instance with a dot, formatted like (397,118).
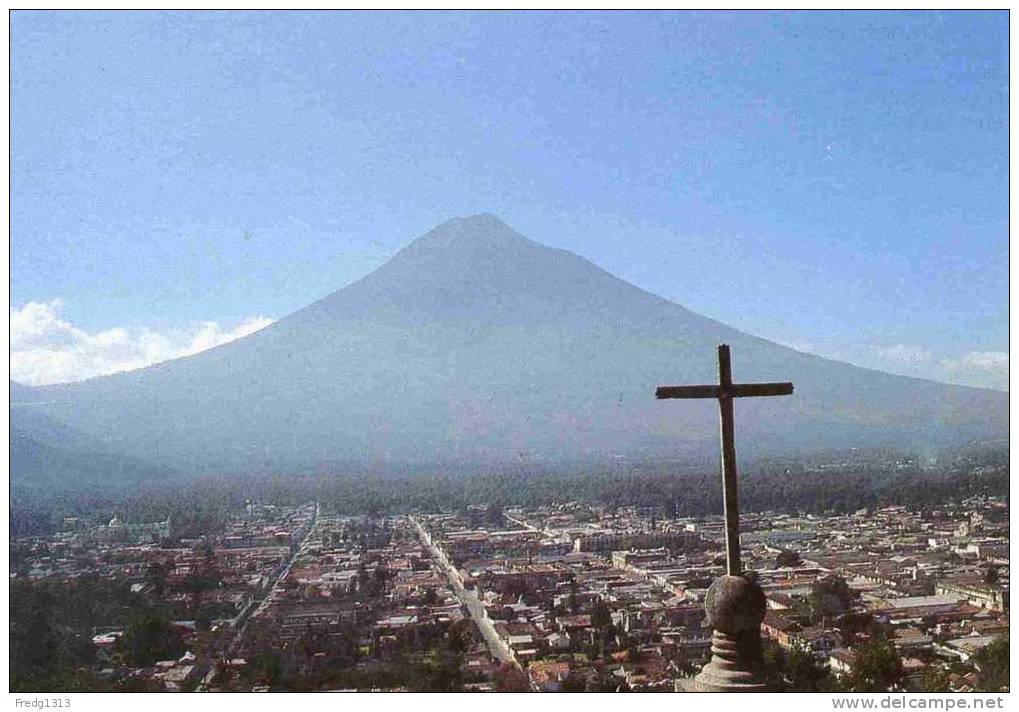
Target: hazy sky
(832,181)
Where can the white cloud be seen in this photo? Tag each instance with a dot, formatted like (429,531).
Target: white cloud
(47,349)
(984,369)
(806,347)
(904,354)
(987,360)
(988,369)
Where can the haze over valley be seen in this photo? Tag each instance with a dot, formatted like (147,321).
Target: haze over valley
(476,347)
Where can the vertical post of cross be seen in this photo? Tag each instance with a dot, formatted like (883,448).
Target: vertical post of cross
(734,603)
(730,494)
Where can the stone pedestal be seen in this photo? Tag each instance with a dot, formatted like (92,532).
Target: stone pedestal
(735,607)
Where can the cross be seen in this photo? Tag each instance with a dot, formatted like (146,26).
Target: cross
(725,391)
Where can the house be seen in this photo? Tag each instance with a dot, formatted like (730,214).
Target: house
(558,641)
(177,677)
(966,648)
(779,628)
(976,594)
(573,623)
(841,660)
(517,642)
(547,675)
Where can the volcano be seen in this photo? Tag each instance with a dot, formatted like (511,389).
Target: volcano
(475,347)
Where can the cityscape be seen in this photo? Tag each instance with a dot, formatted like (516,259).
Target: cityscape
(567,596)
(508,351)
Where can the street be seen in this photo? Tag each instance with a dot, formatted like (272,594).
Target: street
(498,648)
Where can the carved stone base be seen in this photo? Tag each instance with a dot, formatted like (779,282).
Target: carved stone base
(732,667)
(735,606)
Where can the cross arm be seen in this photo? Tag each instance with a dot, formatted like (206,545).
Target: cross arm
(663,392)
(736,390)
(750,390)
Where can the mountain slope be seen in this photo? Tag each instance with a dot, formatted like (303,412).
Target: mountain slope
(46,453)
(473,346)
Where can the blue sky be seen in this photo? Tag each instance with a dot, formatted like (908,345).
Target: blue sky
(833,181)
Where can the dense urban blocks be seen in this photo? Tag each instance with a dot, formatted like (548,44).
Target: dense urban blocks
(565,596)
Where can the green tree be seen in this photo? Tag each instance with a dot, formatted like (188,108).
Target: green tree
(446,676)
(601,616)
(155,576)
(877,667)
(380,580)
(605,681)
(830,597)
(787,557)
(33,640)
(633,652)
(573,682)
(992,663)
(459,636)
(150,637)
(493,515)
(51,630)
(135,684)
(804,673)
(207,553)
(850,625)
(510,679)
(773,665)
(935,679)
(573,602)
(266,667)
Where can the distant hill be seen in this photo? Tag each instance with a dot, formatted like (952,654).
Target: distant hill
(474,347)
(46,453)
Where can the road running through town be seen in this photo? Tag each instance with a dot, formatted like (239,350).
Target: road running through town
(241,622)
(496,645)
